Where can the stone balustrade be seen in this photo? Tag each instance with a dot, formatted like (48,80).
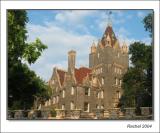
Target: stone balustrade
(111,113)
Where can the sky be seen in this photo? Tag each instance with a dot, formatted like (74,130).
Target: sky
(65,30)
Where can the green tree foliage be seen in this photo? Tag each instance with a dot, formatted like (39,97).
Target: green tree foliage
(137,82)
(23,84)
(148,21)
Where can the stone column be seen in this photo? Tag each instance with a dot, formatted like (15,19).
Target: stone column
(145,111)
(60,113)
(130,113)
(75,113)
(99,113)
(114,113)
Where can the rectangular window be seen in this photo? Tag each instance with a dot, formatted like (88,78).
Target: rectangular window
(116,81)
(86,107)
(63,93)
(118,94)
(63,106)
(87,91)
(102,94)
(72,91)
(98,95)
(98,55)
(120,82)
(102,81)
(72,105)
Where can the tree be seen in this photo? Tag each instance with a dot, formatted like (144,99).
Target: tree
(23,84)
(137,82)
(148,21)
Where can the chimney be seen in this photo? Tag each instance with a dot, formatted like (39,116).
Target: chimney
(71,61)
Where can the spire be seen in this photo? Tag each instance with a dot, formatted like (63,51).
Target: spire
(108,13)
(93,47)
(71,61)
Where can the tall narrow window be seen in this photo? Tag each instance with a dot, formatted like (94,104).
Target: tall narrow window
(63,106)
(86,107)
(118,94)
(102,94)
(120,82)
(72,105)
(54,100)
(98,95)
(103,81)
(87,91)
(116,81)
(72,91)
(98,55)
(63,93)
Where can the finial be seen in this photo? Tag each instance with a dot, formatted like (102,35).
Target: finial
(108,13)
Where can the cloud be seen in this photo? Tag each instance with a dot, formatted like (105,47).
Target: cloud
(59,42)
(74,30)
(76,16)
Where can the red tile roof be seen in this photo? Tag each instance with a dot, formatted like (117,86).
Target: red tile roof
(61,74)
(81,73)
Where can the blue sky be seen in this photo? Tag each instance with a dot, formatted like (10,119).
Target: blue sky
(63,30)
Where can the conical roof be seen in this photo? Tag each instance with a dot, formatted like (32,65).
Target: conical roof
(109,31)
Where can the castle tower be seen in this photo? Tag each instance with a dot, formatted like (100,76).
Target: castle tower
(71,61)
(92,55)
(93,48)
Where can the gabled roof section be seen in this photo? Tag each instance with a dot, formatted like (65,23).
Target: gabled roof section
(61,74)
(109,31)
(81,73)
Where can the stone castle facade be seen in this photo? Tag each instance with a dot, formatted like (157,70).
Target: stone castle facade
(96,87)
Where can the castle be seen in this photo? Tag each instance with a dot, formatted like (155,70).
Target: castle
(96,87)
